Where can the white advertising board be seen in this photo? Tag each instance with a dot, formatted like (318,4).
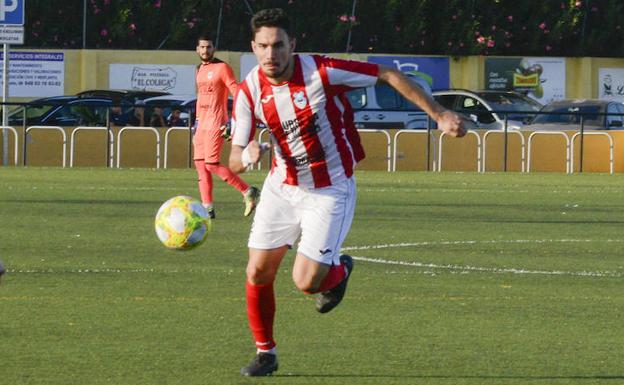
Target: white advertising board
(35,74)
(611,84)
(175,79)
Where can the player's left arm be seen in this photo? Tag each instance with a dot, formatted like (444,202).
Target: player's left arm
(230,81)
(448,121)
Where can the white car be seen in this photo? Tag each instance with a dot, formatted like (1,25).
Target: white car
(381,107)
(488,108)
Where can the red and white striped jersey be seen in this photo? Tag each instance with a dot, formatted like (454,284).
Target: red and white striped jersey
(310,120)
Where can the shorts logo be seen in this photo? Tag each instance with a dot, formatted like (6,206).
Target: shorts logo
(300,100)
(326,251)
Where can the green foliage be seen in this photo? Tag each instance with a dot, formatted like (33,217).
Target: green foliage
(453,27)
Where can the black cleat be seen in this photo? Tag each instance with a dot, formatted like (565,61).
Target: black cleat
(1,270)
(251,198)
(263,364)
(329,299)
(211,213)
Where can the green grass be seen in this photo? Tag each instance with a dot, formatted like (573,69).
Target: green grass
(459,279)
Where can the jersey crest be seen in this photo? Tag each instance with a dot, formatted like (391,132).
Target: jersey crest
(300,100)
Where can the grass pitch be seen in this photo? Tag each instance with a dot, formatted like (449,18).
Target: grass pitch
(459,279)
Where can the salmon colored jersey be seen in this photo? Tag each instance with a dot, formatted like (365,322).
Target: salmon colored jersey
(214,81)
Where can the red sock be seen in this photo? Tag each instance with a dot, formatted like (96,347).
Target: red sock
(228,177)
(261,313)
(334,276)
(204,181)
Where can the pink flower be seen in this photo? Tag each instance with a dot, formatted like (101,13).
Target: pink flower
(352,19)
(493,28)
(454,17)
(132,27)
(157,4)
(397,28)
(190,24)
(480,40)
(450,43)
(491,43)
(548,48)
(578,4)
(104,32)
(477,33)
(542,26)
(343,18)
(510,18)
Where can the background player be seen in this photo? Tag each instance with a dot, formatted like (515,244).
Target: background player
(214,79)
(310,191)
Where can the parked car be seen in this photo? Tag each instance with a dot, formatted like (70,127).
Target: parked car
(121,97)
(381,107)
(487,108)
(63,111)
(566,115)
(168,103)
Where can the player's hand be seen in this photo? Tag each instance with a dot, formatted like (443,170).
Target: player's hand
(226,131)
(453,124)
(253,152)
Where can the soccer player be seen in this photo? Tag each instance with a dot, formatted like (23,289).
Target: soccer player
(214,79)
(310,190)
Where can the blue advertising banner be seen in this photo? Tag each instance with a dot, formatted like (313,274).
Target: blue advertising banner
(434,70)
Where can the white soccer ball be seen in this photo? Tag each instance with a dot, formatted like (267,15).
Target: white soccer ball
(182,223)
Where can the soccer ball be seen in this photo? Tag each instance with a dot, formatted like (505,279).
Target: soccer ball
(182,223)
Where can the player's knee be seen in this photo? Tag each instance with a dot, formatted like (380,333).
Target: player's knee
(305,283)
(257,276)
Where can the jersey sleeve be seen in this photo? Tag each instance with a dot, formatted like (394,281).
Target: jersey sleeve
(243,119)
(230,80)
(348,73)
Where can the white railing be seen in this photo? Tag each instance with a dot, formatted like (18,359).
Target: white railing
(166,154)
(417,132)
(53,128)
(522,146)
(388,143)
(611,157)
(469,132)
(544,133)
(72,143)
(133,128)
(14,131)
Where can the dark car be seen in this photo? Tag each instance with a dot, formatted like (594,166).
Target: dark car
(121,97)
(488,108)
(168,103)
(63,111)
(566,115)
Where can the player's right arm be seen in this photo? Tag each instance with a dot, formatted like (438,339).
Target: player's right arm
(245,150)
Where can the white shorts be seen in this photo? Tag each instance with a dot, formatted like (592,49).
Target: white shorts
(321,216)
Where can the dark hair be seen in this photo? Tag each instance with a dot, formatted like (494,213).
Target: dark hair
(205,36)
(272,17)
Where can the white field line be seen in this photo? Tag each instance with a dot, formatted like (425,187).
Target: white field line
(467,269)
(450,243)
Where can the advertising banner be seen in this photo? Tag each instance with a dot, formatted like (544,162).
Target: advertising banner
(175,79)
(611,84)
(35,74)
(543,79)
(434,70)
